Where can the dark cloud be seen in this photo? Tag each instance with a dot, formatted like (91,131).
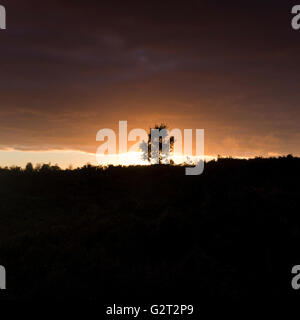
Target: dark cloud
(70,68)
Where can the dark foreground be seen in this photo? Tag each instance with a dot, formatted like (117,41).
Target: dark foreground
(149,232)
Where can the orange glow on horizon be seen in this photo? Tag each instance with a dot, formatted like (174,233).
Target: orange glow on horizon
(77,158)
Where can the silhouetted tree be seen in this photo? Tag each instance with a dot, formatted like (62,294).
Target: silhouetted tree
(162,139)
(29,167)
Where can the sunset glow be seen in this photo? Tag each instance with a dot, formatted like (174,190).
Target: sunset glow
(59,89)
(73,158)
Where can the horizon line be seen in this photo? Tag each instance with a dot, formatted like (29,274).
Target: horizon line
(65,158)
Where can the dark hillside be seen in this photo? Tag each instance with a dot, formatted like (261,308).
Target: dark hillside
(151,231)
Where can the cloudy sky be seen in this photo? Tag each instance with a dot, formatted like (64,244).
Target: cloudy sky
(71,68)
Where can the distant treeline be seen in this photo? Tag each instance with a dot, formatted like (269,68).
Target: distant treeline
(48,167)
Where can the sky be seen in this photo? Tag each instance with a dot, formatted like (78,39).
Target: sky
(71,68)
